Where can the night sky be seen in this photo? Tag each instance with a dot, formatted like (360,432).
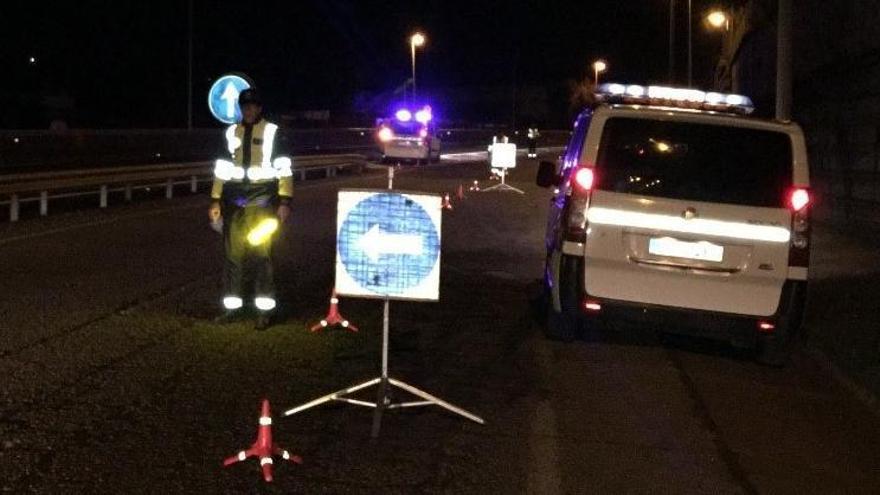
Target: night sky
(123,63)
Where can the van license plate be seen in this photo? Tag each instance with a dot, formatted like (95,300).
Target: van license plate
(703,251)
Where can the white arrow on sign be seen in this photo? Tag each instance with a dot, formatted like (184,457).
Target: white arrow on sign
(376,243)
(230,94)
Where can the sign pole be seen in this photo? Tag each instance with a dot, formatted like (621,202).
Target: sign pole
(382,401)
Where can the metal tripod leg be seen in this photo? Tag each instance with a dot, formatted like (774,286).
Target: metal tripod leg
(338,395)
(430,399)
(503,186)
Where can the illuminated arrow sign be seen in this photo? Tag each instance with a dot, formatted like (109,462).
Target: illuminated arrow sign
(375,243)
(230,95)
(223,97)
(388,245)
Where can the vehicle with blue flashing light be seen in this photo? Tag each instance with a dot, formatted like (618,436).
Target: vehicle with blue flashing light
(675,208)
(409,134)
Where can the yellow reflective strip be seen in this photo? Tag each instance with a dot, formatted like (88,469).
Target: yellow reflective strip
(671,223)
(283,166)
(264,304)
(232,141)
(232,302)
(268,141)
(223,169)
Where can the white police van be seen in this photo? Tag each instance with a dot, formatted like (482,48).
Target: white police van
(674,207)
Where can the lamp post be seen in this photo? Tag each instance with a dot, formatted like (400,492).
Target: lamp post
(783,60)
(690,45)
(671,42)
(599,66)
(416,40)
(189,66)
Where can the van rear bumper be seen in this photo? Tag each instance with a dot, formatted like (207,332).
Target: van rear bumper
(739,330)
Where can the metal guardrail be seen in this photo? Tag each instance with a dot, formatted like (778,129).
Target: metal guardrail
(102,181)
(33,151)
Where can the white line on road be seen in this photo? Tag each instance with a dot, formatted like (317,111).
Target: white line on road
(544,477)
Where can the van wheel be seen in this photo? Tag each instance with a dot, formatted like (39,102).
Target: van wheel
(775,350)
(567,325)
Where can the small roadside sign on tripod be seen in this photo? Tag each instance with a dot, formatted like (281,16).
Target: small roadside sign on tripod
(502,157)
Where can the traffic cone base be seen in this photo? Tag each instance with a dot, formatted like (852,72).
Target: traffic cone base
(263,447)
(333,317)
(447,204)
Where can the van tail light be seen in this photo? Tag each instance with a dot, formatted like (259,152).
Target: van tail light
(799,200)
(582,181)
(583,178)
(766,326)
(386,134)
(592,305)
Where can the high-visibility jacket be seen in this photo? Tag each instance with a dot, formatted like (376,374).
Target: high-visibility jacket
(253,161)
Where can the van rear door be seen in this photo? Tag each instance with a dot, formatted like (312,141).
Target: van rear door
(690,214)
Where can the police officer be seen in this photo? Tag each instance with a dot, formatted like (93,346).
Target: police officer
(533,142)
(251,193)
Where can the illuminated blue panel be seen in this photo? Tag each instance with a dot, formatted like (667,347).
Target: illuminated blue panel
(388,245)
(223,98)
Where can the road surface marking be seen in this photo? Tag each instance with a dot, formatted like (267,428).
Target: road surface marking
(544,477)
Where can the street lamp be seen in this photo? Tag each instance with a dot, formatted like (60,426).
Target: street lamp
(416,40)
(598,66)
(718,20)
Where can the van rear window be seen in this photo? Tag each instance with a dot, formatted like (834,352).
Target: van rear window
(694,162)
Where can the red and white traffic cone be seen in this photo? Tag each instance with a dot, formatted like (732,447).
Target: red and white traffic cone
(460,192)
(333,317)
(263,447)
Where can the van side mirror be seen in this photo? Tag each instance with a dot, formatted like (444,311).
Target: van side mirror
(546,174)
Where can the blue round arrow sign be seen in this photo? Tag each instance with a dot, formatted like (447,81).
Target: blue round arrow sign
(223,98)
(388,244)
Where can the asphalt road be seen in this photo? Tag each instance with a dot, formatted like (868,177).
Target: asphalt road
(115,380)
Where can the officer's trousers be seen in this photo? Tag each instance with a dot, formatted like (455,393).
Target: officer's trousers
(533,147)
(246,264)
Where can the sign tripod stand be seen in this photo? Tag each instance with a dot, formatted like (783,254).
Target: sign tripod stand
(384,383)
(503,185)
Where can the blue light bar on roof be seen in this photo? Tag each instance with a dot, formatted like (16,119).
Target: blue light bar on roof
(674,97)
